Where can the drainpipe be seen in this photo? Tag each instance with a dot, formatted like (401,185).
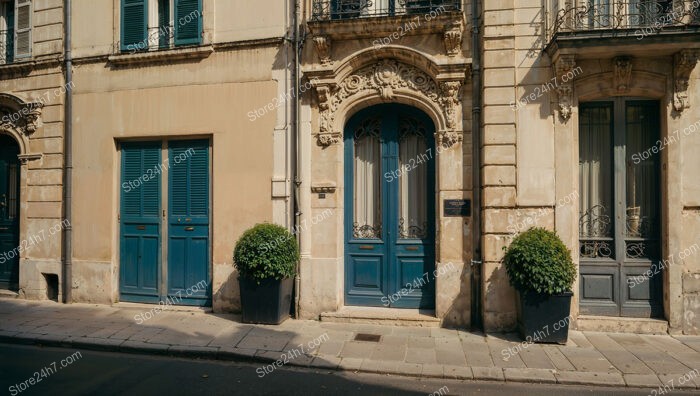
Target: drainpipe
(476,263)
(68,158)
(297,45)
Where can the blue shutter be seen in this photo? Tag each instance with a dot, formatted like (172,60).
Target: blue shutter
(188,22)
(134,21)
(188,232)
(140,222)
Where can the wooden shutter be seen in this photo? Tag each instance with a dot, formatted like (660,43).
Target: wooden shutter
(134,18)
(23,28)
(189,183)
(188,22)
(141,174)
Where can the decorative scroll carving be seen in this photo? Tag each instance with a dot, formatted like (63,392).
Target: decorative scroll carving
(684,62)
(622,73)
(565,64)
(24,119)
(453,39)
(385,78)
(323,49)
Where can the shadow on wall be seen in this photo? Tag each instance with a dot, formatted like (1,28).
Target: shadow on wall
(228,297)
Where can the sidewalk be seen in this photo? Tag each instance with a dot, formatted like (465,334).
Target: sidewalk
(590,358)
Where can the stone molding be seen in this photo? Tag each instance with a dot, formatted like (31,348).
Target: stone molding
(452,38)
(683,64)
(161,57)
(22,120)
(322,43)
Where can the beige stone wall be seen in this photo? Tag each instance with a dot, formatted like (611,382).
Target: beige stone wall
(209,99)
(41,173)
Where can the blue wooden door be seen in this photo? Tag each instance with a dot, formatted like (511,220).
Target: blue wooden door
(140,243)
(389,208)
(9,214)
(188,222)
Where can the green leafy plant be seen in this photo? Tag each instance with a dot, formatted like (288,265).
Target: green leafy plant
(266,251)
(538,261)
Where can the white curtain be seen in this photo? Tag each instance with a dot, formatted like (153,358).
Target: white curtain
(595,171)
(413,187)
(378,7)
(368,194)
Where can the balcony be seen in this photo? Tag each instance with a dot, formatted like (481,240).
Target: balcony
(324,10)
(643,27)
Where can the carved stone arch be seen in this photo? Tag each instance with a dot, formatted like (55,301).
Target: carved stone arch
(369,78)
(19,119)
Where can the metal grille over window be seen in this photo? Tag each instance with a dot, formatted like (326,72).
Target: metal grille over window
(350,9)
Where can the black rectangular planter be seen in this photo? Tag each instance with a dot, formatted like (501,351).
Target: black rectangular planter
(266,303)
(543,318)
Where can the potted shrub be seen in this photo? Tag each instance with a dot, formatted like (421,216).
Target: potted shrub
(540,268)
(266,257)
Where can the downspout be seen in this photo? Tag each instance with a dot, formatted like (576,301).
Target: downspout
(297,45)
(68,158)
(476,264)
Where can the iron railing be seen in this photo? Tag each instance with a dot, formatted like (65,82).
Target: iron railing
(588,15)
(351,9)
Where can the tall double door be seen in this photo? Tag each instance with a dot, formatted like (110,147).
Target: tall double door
(164,222)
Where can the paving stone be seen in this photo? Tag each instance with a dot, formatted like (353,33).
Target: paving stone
(588,378)
(534,357)
(579,339)
(369,366)
(332,348)
(392,339)
(101,344)
(458,372)
(357,349)
(230,336)
(268,343)
(421,355)
(387,366)
(687,380)
(409,331)
(451,356)
(412,369)
(587,360)
(557,358)
(488,373)
(326,362)
(350,364)
(389,353)
(421,342)
(535,375)
(448,343)
(505,355)
(623,360)
(144,347)
(433,371)
(642,380)
(233,353)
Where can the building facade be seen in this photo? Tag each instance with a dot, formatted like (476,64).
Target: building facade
(404,142)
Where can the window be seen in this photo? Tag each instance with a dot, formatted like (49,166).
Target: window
(15,30)
(154,24)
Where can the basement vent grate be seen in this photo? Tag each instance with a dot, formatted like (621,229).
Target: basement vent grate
(367,337)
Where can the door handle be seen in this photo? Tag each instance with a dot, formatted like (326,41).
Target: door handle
(366,247)
(4,228)
(412,248)
(189,228)
(140,228)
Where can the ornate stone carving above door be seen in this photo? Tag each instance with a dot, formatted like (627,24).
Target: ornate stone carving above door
(388,80)
(683,64)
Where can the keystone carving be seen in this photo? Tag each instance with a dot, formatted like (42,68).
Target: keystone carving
(25,119)
(323,49)
(683,64)
(622,73)
(453,39)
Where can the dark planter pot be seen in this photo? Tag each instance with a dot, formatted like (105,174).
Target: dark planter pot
(266,303)
(543,318)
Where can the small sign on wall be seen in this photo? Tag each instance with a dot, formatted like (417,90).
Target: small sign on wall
(458,208)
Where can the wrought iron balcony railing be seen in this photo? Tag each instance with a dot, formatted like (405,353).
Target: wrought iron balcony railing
(588,15)
(352,9)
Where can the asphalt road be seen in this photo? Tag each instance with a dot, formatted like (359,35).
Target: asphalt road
(102,373)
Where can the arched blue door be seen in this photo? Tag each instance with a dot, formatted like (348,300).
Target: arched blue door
(390,208)
(9,213)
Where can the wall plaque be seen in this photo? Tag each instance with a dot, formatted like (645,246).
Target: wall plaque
(458,207)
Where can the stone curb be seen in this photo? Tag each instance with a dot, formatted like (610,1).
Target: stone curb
(492,374)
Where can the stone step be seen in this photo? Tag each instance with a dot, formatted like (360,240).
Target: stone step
(612,324)
(8,294)
(383,316)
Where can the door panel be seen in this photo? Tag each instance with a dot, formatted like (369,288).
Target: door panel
(188,221)
(619,223)
(140,222)
(9,213)
(390,199)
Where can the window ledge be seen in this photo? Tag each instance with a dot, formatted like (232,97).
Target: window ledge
(18,67)
(155,57)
